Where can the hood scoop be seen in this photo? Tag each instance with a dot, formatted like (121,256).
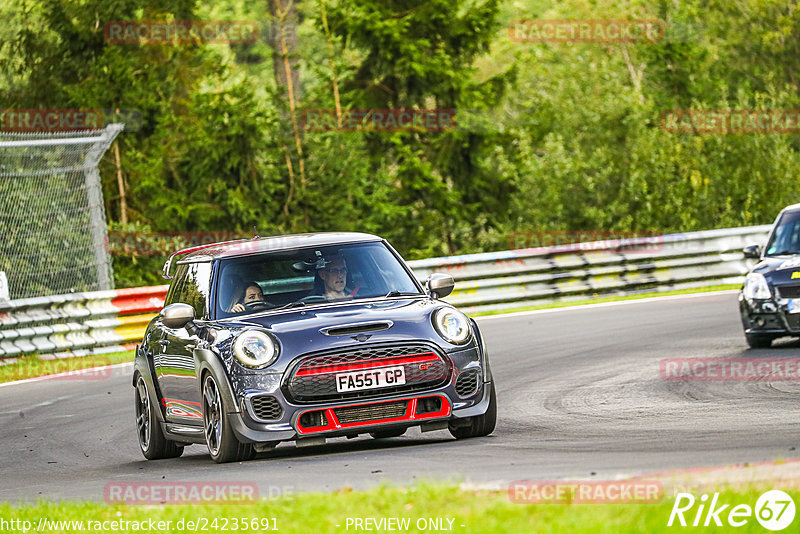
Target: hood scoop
(356,328)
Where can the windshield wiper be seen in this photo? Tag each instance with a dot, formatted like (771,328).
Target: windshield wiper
(396,293)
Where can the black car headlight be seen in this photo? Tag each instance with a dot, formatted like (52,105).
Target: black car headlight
(452,325)
(756,287)
(254,349)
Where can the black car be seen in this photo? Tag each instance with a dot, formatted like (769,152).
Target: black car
(770,298)
(305,337)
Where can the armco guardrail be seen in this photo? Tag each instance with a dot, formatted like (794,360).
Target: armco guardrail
(78,324)
(109,321)
(518,278)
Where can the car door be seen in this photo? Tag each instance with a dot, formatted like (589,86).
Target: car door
(175,364)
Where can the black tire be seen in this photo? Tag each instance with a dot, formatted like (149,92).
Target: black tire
(758,342)
(152,442)
(386,434)
(222,443)
(480,425)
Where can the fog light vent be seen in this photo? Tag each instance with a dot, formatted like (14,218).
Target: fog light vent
(429,405)
(467,383)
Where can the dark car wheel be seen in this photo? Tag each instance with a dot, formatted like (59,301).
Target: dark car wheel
(385,434)
(758,342)
(222,443)
(480,425)
(152,442)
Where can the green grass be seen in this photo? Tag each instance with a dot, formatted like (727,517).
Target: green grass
(32,366)
(478,512)
(597,300)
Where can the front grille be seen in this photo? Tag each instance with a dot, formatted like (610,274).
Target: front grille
(370,412)
(313,379)
(789,292)
(266,407)
(793,319)
(467,383)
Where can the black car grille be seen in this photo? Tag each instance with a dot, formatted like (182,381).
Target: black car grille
(313,378)
(793,319)
(266,407)
(789,292)
(467,383)
(370,412)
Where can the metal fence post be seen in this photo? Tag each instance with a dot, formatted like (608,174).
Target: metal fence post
(96,208)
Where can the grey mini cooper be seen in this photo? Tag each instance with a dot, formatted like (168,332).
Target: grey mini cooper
(304,338)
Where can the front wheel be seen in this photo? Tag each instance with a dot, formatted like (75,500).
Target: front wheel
(222,443)
(152,442)
(480,425)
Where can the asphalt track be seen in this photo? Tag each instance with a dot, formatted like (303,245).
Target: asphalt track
(580,397)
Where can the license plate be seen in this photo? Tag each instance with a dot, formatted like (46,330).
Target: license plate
(370,378)
(794,306)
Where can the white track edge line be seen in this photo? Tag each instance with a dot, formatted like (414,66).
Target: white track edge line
(605,304)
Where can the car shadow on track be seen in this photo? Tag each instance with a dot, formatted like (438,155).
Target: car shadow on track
(780,344)
(340,446)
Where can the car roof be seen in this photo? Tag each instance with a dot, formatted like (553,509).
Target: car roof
(793,207)
(259,245)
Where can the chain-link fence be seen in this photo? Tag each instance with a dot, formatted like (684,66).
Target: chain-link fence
(52,219)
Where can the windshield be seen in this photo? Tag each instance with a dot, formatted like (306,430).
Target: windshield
(309,276)
(786,238)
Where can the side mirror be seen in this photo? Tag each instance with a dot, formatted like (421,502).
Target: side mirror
(440,285)
(177,315)
(753,251)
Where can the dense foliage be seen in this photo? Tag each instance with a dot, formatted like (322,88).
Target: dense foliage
(561,136)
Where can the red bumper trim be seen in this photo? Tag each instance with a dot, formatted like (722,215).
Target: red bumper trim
(345,367)
(410,415)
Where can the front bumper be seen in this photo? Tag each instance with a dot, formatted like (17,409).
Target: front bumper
(418,411)
(768,317)
(288,420)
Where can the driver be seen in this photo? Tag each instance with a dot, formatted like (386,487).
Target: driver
(334,278)
(253,299)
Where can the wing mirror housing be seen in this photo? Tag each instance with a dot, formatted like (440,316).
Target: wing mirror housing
(177,315)
(753,252)
(440,285)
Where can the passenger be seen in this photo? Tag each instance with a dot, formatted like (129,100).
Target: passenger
(253,299)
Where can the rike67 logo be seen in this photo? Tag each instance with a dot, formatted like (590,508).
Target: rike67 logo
(774,510)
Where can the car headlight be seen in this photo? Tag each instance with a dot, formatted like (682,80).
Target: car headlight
(253,349)
(452,325)
(756,287)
